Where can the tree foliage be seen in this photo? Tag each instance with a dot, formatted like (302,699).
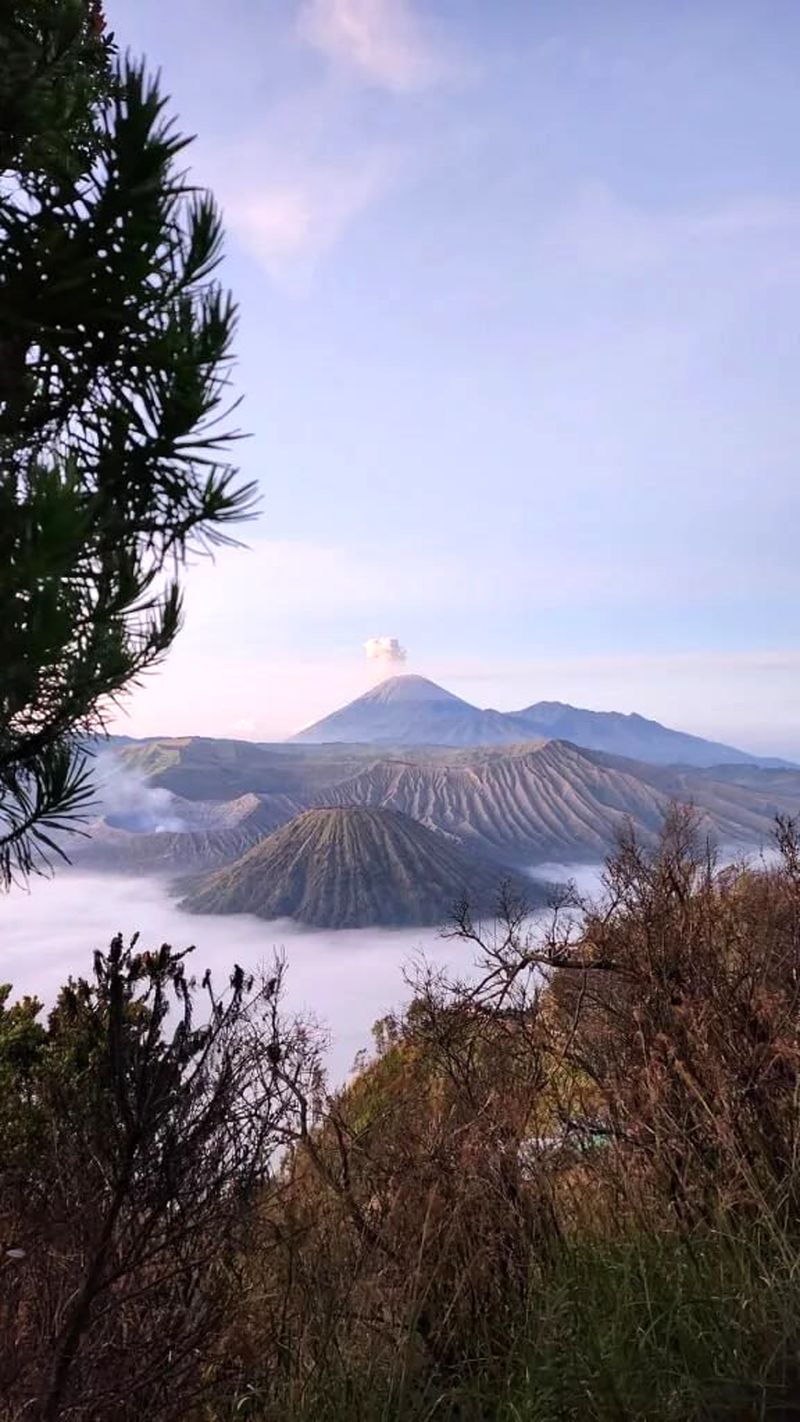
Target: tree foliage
(55,68)
(136,1131)
(115,342)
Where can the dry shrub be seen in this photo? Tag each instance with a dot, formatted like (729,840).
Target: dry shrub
(400,1241)
(566,1189)
(629,1072)
(134,1142)
(683,1025)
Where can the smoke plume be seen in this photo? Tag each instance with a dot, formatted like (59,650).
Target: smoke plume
(126,801)
(385,650)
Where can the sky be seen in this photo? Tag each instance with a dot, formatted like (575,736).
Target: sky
(519,288)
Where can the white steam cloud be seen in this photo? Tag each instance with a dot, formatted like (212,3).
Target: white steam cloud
(125,800)
(385,650)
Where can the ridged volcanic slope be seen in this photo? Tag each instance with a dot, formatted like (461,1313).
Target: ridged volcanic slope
(350,867)
(524,804)
(546,801)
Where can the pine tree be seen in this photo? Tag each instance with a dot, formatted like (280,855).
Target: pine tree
(115,342)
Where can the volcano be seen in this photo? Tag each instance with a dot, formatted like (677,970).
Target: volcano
(410,710)
(350,867)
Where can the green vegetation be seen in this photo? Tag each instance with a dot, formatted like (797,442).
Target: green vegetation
(663,1326)
(569,1190)
(138,1129)
(577,1201)
(114,349)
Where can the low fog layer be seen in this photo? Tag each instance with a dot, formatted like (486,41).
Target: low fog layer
(587,878)
(345,979)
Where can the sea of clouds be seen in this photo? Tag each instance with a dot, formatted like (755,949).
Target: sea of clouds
(343,979)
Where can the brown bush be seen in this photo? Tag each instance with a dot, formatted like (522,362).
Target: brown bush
(608,1110)
(687,1036)
(633,1066)
(134,1142)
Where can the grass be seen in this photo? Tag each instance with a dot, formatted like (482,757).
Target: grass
(662,1329)
(666,1328)
(658,1280)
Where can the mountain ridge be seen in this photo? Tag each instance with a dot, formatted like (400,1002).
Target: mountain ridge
(411,710)
(523,804)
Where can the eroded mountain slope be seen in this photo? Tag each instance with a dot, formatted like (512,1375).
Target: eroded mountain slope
(539,802)
(351,867)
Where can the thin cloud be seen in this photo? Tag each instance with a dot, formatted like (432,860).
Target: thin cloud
(748,698)
(383,41)
(289,220)
(602,232)
(755,661)
(245,726)
(311,165)
(297,582)
(719,694)
(316,603)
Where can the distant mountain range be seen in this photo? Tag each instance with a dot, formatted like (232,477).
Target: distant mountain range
(388,809)
(522,805)
(410,710)
(350,867)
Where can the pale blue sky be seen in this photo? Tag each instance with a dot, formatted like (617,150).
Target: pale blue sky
(519,286)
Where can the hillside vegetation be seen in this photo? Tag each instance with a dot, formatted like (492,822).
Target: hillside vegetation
(568,1190)
(566,1198)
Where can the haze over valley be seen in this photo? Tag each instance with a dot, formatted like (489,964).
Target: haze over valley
(344,980)
(330,848)
(247,826)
